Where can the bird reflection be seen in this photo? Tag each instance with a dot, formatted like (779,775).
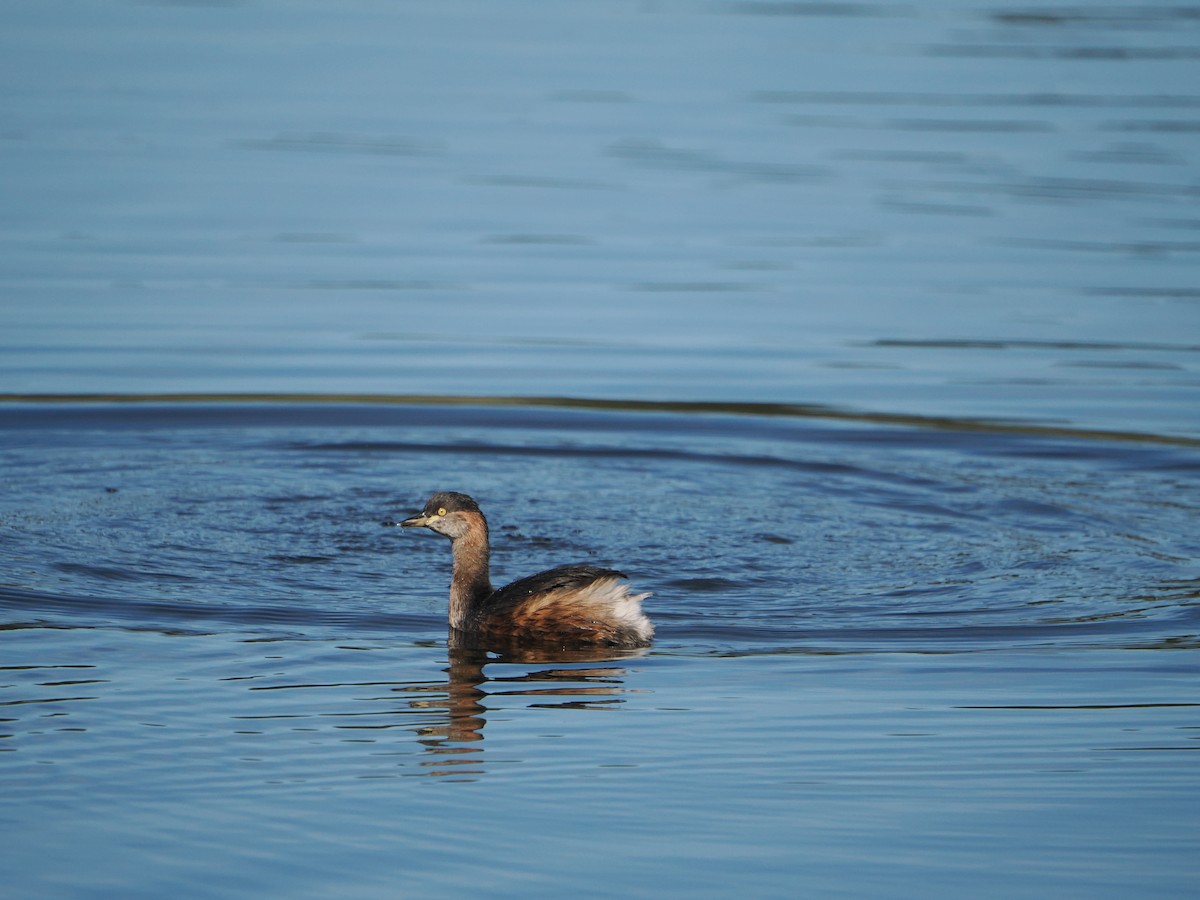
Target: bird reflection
(454,741)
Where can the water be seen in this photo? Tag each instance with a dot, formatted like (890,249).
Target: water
(936,208)
(864,336)
(887,659)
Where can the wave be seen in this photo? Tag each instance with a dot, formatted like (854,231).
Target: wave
(25,608)
(28,407)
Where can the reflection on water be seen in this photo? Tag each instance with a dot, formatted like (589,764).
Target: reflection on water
(863,334)
(44,702)
(334,762)
(464,699)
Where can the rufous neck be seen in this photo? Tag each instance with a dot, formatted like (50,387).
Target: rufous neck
(471,583)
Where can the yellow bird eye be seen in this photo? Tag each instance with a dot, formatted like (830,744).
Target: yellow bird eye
(441,510)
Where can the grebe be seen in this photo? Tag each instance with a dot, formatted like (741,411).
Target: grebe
(572,606)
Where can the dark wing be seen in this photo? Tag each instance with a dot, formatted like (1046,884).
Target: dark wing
(570,606)
(570,577)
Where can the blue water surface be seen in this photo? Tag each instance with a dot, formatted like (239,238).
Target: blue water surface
(865,336)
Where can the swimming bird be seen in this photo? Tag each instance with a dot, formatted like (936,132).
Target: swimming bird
(571,606)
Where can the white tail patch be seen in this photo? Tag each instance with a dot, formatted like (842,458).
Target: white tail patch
(605,600)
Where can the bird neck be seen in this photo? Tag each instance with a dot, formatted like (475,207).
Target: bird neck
(470,584)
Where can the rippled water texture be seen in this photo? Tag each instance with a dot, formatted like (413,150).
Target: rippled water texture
(931,208)
(882,653)
(865,336)
(781,533)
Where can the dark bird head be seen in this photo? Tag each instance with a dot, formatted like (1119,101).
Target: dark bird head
(448,513)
